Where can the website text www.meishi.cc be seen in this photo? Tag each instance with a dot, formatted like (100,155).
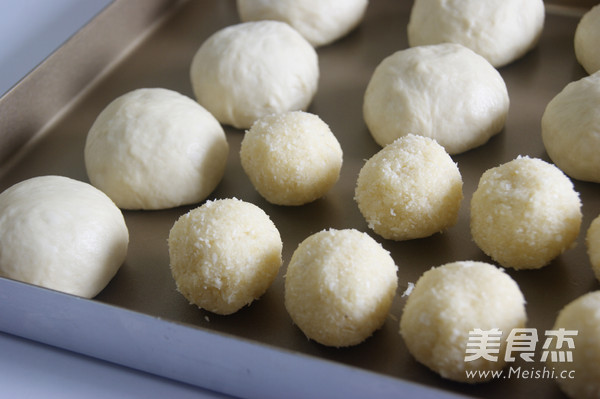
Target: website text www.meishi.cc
(521,372)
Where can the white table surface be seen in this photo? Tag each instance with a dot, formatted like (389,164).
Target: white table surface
(30,30)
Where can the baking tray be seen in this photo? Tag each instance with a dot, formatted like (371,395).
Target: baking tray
(140,321)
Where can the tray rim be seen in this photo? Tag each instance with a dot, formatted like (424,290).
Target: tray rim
(228,364)
(88,65)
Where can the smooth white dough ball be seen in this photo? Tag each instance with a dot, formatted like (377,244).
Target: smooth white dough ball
(291,158)
(224,254)
(592,241)
(62,234)
(409,189)
(448,302)
(154,148)
(253,69)
(339,286)
(321,22)
(443,91)
(587,39)
(581,316)
(571,129)
(525,213)
(499,30)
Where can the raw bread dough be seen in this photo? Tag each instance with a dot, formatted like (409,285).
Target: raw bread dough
(224,254)
(447,303)
(581,316)
(61,234)
(339,286)
(592,241)
(254,69)
(409,189)
(444,91)
(587,40)
(320,21)
(500,30)
(525,213)
(155,149)
(571,129)
(291,158)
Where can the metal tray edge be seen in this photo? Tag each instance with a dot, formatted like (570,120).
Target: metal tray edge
(67,74)
(185,353)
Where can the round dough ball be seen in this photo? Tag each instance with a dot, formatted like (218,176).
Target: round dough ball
(444,91)
(587,36)
(155,149)
(592,241)
(571,129)
(319,21)
(291,158)
(339,286)
(61,234)
(448,302)
(254,69)
(409,189)
(224,254)
(525,213)
(583,317)
(500,30)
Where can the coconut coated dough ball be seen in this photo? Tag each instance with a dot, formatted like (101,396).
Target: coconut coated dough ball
(593,245)
(339,286)
(155,149)
(525,213)
(291,158)
(224,254)
(583,317)
(320,21)
(450,301)
(254,69)
(61,234)
(587,37)
(571,129)
(500,30)
(409,189)
(444,91)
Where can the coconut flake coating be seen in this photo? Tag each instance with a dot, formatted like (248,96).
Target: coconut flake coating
(582,315)
(224,254)
(410,189)
(449,301)
(291,158)
(571,129)
(525,213)
(445,91)
(339,286)
(592,241)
